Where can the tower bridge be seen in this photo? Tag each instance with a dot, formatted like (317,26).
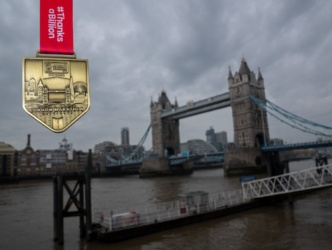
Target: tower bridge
(251,154)
(251,129)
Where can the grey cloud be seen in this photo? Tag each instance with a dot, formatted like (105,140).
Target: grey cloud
(137,48)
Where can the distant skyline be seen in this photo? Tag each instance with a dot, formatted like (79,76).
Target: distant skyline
(136,49)
(72,143)
(125,140)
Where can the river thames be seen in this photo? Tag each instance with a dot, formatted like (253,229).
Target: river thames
(27,223)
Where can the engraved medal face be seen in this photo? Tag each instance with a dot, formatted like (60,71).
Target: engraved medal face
(56,91)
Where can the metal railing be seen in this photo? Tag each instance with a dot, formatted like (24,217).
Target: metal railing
(111,220)
(289,183)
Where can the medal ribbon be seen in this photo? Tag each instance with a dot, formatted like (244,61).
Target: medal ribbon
(56,27)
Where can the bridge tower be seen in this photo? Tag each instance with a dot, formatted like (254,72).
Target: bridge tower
(251,130)
(165,131)
(165,141)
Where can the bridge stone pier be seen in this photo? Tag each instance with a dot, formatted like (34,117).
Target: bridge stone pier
(251,130)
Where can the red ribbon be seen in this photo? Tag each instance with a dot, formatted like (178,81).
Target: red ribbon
(56,27)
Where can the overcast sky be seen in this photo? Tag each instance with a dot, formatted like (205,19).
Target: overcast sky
(137,48)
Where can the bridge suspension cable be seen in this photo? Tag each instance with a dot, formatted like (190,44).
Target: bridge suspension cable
(290,119)
(140,143)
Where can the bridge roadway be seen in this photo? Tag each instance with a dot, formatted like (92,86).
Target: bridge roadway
(199,107)
(287,147)
(173,160)
(132,167)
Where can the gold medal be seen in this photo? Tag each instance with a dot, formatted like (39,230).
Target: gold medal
(56,90)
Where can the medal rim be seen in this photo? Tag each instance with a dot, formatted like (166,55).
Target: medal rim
(56,58)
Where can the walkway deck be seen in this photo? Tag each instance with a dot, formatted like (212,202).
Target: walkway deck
(308,179)
(150,215)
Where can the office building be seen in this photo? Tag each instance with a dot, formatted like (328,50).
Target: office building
(125,136)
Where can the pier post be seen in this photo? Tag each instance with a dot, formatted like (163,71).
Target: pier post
(277,165)
(55,208)
(59,215)
(320,161)
(290,196)
(79,197)
(88,195)
(82,226)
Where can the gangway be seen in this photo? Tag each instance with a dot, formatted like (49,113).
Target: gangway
(308,179)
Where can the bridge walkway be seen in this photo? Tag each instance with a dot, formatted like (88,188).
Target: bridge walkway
(308,179)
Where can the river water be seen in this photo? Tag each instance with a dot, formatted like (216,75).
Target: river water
(26,216)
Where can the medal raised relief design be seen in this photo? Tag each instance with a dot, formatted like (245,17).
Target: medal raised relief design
(56,91)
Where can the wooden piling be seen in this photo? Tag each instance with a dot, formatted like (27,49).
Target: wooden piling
(55,208)
(81,199)
(88,196)
(79,196)
(59,219)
